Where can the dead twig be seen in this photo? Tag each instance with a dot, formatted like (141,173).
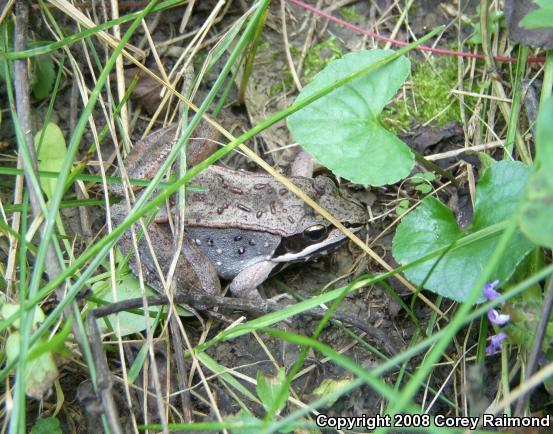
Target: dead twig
(103,380)
(205,302)
(287,47)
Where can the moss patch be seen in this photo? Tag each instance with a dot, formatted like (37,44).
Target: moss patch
(427,97)
(349,13)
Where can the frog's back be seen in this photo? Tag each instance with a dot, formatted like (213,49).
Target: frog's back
(257,201)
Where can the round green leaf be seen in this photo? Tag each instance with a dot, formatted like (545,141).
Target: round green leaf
(536,219)
(539,18)
(432,226)
(342,130)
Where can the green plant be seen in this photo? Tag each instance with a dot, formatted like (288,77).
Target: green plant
(343,131)
(423,181)
(542,17)
(349,13)
(428,99)
(496,19)
(432,225)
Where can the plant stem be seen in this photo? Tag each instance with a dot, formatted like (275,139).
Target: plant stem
(515,105)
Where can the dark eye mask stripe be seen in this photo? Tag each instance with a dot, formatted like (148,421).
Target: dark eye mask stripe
(333,239)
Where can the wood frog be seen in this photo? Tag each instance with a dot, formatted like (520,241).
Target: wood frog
(240,226)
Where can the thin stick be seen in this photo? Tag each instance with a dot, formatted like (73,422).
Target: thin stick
(455,152)
(202,301)
(289,59)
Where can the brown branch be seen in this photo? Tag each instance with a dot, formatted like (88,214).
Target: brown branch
(205,302)
(103,377)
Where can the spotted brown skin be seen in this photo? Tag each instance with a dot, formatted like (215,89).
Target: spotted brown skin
(258,202)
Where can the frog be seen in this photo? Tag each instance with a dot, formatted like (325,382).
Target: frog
(240,226)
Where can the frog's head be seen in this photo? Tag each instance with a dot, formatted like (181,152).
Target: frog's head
(316,235)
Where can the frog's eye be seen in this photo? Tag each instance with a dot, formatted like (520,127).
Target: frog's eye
(315,232)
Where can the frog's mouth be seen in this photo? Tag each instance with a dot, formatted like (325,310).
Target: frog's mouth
(312,243)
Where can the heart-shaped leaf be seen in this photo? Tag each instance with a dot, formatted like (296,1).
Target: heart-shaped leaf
(432,226)
(536,219)
(342,130)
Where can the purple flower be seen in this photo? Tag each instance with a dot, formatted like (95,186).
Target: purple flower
(489,290)
(495,343)
(497,318)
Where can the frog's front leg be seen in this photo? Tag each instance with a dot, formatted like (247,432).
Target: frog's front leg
(302,165)
(245,284)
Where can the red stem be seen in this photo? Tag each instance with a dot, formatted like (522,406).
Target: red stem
(400,43)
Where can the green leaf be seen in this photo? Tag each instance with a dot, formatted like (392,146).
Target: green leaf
(54,344)
(402,207)
(329,386)
(268,389)
(495,20)
(432,225)
(40,373)
(128,287)
(50,153)
(43,76)
(536,218)
(251,424)
(47,425)
(342,130)
(424,188)
(541,17)
(417,178)
(9,309)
